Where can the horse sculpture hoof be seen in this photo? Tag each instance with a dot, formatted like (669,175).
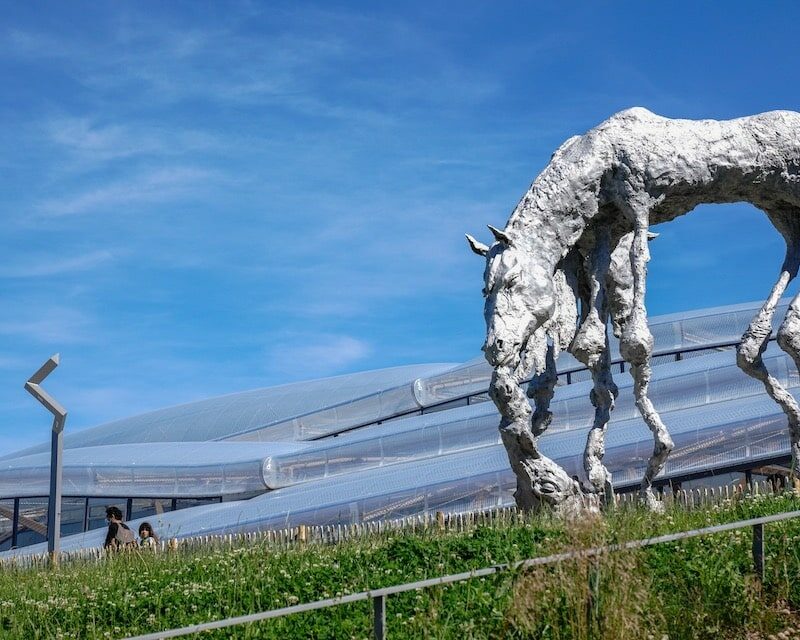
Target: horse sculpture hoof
(651,502)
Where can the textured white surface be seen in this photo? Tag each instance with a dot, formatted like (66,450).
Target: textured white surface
(581,232)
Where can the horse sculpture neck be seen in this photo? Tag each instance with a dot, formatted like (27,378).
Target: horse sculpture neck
(665,166)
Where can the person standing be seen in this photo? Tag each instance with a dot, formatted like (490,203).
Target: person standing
(147,537)
(119,535)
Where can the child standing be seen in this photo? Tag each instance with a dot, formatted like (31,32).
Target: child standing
(147,537)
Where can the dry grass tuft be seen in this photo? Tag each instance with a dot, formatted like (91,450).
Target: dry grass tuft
(605,596)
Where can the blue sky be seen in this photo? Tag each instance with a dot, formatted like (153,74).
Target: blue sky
(201,197)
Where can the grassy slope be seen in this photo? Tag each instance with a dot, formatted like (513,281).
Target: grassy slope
(701,588)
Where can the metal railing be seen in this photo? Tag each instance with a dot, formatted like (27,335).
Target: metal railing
(379,596)
(565,374)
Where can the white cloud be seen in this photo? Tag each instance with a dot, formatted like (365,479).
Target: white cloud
(155,63)
(36,45)
(317,356)
(93,142)
(158,186)
(45,265)
(51,325)
(356,263)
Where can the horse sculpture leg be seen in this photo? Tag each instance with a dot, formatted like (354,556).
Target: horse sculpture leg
(602,396)
(636,348)
(755,340)
(540,481)
(567,283)
(789,341)
(590,346)
(541,390)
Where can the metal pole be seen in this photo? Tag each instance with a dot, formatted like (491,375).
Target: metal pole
(758,551)
(15,524)
(54,502)
(33,387)
(379,609)
(593,601)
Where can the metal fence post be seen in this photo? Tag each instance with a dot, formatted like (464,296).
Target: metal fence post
(593,601)
(15,524)
(758,551)
(379,610)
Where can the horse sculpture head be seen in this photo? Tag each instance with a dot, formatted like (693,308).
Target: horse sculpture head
(519,295)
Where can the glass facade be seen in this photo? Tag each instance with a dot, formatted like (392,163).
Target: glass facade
(32,521)
(6,524)
(147,507)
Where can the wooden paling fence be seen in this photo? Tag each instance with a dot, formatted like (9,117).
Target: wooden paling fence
(300,535)
(706,496)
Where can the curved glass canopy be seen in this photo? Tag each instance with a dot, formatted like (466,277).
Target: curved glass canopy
(185,469)
(392,443)
(284,407)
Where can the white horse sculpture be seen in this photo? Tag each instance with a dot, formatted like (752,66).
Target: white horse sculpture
(580,233)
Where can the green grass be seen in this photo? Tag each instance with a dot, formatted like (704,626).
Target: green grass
(699,588)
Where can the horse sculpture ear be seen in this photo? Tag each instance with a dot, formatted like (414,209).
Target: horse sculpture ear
(500,236)
(478,247)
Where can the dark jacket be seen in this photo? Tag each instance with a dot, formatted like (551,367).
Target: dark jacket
(119,534)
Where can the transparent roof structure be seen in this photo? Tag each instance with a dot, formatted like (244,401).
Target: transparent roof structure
(409,440)
(283,410)
(185,469)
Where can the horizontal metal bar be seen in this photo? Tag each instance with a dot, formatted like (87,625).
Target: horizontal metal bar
(709,346)
(254,617)
(467,575)
(671,537)
(562,372)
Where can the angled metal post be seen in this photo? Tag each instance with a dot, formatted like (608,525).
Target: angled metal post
(33,387)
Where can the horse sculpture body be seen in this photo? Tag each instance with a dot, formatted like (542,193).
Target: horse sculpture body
(580,234)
